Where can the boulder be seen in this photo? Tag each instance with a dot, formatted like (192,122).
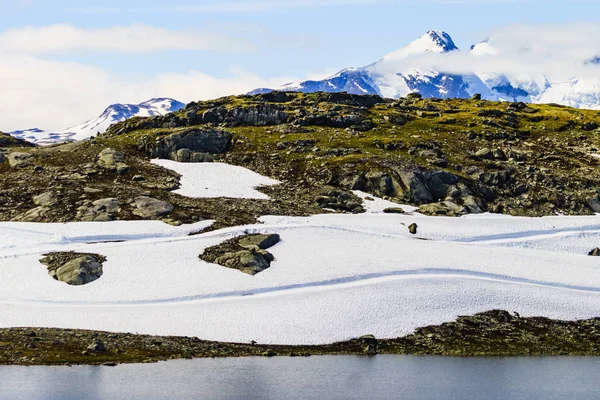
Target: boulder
(79,271)
(444,208)
(595,252)
(101,210)
(476,97)
(19,160)
(45,199)
(113,160)
(189,156)
(148,207)
(97,347)
(589,126)
(37,214)
(594,203)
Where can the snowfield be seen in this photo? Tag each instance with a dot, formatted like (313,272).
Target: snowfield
(335,276)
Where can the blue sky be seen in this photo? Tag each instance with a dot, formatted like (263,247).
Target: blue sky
(226,43)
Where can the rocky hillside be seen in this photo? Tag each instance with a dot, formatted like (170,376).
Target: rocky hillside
(449,157)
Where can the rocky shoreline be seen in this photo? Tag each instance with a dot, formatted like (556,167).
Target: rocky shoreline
(493,333)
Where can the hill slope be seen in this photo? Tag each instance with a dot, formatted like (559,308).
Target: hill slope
(448,157)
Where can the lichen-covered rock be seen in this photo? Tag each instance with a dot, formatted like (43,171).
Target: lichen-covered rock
(73,268)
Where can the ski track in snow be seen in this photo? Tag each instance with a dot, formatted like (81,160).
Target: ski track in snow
(334,276)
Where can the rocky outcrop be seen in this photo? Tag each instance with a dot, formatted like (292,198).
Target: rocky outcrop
(190,145)
(74,268)
(247,254)
(437,192)
(338,200)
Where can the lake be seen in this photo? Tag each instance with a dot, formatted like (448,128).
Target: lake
(327,377)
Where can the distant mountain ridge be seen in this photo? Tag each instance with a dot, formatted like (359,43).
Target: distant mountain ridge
(111,115)
(389,77)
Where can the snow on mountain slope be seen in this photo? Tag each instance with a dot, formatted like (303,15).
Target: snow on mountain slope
(113,114)
(334,276)
(396,74)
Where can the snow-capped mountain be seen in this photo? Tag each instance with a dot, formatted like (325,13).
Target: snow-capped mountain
(394,76)
(113,114)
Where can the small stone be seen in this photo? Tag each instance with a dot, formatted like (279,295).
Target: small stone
(148,207)
(412,228)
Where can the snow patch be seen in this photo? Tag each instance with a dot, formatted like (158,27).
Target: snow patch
(217,180)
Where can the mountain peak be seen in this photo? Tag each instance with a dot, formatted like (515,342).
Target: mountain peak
(432,41)
(442,41)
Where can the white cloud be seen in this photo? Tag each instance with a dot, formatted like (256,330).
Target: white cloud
(56,95)
(556,51)
(55,39)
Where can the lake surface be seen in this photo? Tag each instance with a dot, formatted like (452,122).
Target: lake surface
(323,378)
